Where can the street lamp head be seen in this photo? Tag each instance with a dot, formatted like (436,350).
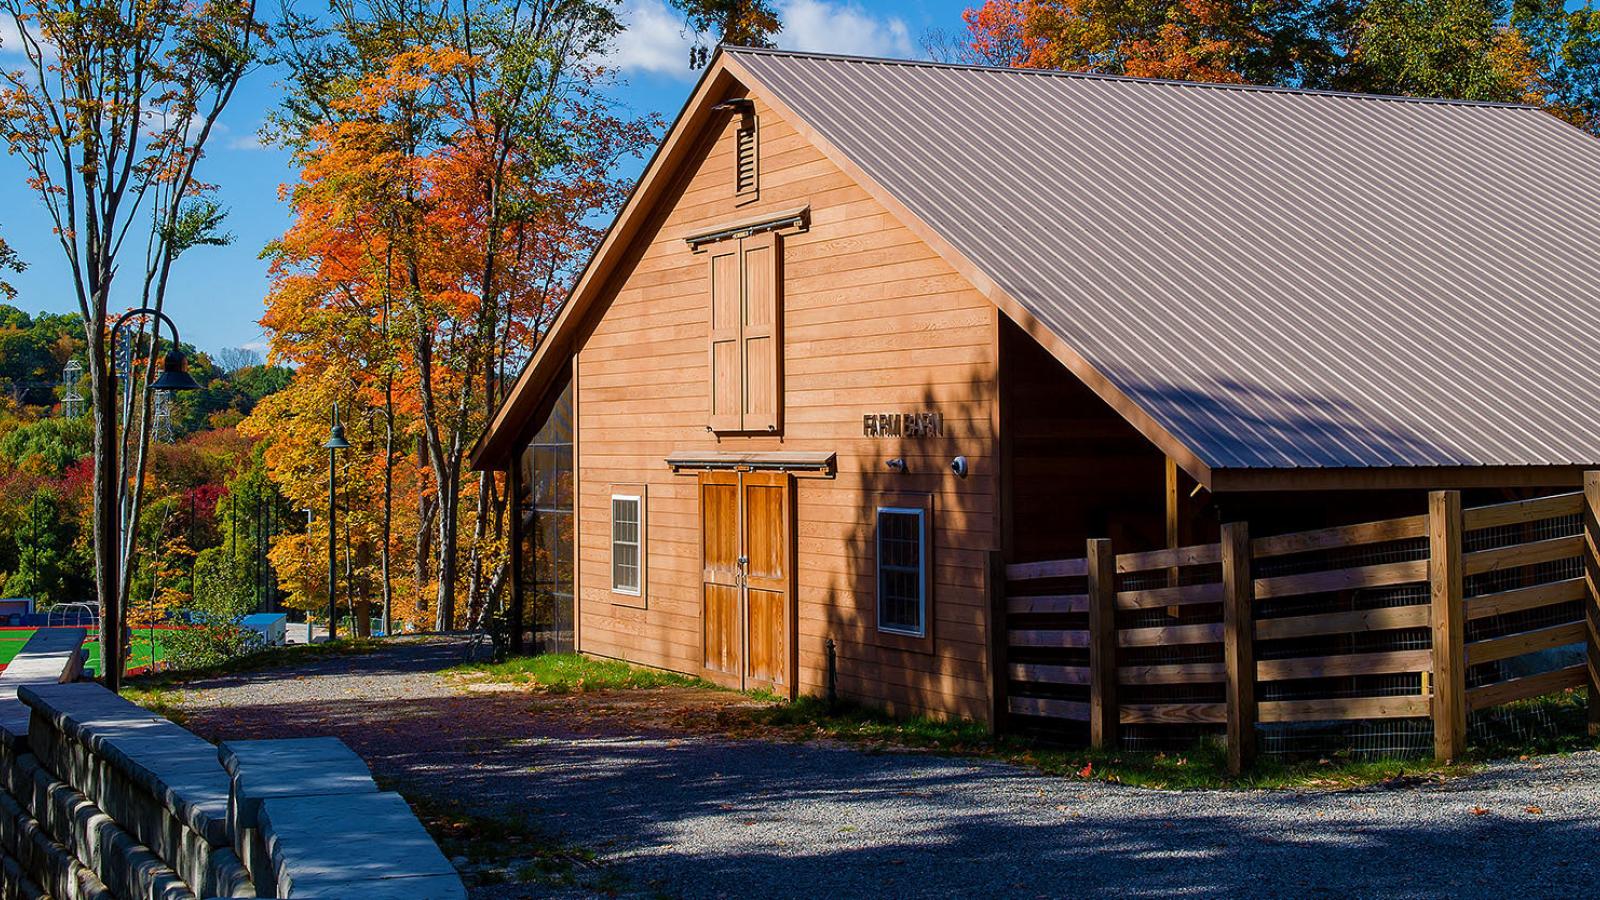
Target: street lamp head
(336,439)
(175,374)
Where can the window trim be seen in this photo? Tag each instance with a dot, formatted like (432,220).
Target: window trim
(924,503)
(922,568)
(636,493)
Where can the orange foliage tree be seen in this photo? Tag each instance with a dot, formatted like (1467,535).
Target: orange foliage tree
(1193,40)
(1536,51)
(455,165)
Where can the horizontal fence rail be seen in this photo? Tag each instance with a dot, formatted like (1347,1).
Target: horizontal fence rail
(1424,619)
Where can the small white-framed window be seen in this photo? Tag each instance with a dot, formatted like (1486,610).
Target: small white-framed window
(627,544)
(902,570)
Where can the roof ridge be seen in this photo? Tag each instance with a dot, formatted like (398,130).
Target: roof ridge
(737,50)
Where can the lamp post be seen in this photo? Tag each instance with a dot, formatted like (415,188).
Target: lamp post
(174,377)
(334,444)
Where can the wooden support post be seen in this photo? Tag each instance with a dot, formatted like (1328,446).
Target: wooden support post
(1104,714)
(999,673)
(1238,643)
(1174,519)
(1591,573)
(1448,618)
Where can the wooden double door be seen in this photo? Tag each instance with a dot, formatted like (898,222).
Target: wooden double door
(747,609)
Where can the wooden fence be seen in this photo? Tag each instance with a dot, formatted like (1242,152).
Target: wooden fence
(1424,617)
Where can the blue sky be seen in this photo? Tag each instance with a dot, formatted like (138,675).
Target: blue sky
(216,295)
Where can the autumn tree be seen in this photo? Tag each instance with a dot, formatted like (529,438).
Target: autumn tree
(1566,45)
(110,112)
(1463,49)
(455,162)
(743,23)
(1536,51)
(1279,41)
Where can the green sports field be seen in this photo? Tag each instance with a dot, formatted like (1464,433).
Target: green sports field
(12,639)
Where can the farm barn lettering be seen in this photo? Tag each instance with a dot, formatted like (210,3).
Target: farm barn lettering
(911,424)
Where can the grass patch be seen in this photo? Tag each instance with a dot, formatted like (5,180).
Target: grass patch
(489,849)
(1203,766)
(568,673)
(860,724)
(1555,723)
(145,649)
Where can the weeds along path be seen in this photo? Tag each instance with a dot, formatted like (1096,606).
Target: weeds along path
(622,800)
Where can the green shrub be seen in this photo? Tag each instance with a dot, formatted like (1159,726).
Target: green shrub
(215,638)
(211,641)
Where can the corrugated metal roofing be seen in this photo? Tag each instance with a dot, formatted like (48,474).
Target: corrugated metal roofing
(1279,278)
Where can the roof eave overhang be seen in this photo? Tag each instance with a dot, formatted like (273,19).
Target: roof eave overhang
(1432,478)
(553,353)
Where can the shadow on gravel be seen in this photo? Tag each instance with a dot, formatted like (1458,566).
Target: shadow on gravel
(705,817)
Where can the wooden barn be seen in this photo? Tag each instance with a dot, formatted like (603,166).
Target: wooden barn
(981,391)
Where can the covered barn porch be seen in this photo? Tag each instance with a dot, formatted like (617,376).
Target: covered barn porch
(1288,612)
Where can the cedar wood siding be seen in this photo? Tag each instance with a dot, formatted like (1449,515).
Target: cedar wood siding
(873,321)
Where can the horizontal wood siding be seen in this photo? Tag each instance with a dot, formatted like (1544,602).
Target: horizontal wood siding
(873,321)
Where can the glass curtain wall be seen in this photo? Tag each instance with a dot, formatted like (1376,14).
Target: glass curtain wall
(544,508)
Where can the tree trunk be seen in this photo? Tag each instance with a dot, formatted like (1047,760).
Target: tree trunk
(479,532)
(449,531)
(388,505)
(424,550)
(107,537)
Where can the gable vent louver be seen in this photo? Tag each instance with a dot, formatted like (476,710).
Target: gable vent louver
(745,150)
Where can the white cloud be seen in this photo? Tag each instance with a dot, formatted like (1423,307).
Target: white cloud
(657,41)
(822,27)
(247,142)
(228,139)
(11,39)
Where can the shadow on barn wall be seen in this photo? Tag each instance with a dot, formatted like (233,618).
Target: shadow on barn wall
(1078,471)
(946,671)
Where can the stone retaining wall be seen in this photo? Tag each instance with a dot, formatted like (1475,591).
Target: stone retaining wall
(101,800)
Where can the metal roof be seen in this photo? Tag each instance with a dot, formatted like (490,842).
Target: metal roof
(1279,278)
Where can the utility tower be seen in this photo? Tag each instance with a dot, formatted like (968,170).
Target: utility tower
(161,422)
(72,404)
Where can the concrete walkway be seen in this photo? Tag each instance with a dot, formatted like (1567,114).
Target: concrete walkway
(691,816)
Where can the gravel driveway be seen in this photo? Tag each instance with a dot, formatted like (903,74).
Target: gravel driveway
(693,816)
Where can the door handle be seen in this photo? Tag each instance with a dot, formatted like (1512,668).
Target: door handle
(744,562)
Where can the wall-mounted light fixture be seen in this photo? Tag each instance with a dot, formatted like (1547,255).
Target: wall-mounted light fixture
(959,466)
(896,465)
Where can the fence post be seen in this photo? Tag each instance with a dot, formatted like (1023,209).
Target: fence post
(1238,643)
(1447,615)
(1591,572)
(1104,714)
(999,641)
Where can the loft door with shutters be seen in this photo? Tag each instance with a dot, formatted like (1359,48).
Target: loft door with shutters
(746,339)
(746,613)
